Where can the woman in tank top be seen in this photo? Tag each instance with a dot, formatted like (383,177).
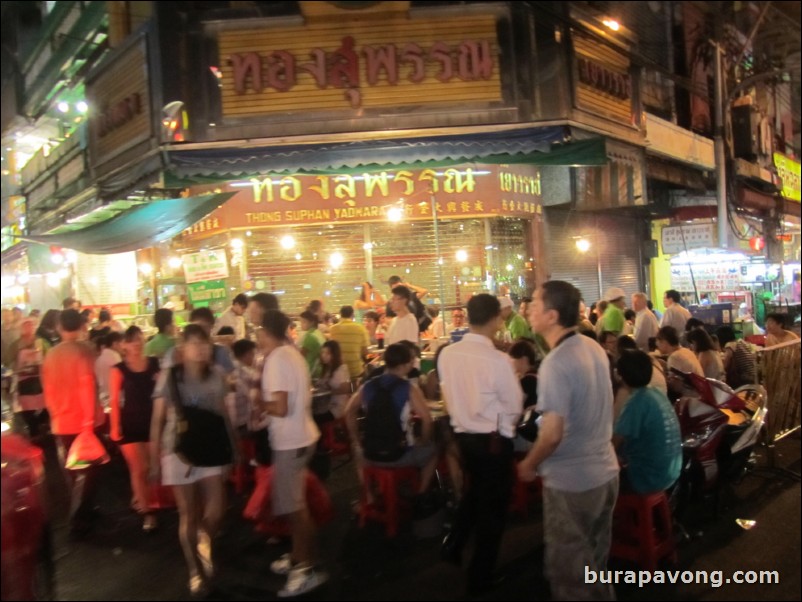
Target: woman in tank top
(131,385)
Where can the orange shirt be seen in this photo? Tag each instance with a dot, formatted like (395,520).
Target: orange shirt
(68,380)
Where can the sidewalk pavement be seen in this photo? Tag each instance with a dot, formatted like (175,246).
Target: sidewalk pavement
(118,561)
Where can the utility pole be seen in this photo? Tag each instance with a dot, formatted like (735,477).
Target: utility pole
(721,158)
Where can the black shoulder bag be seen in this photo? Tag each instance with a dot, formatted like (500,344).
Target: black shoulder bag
(201,436)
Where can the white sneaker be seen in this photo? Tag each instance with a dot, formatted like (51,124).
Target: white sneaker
(283,565)
(301,580)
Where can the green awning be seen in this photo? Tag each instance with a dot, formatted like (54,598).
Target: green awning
(535,146)
(140,227)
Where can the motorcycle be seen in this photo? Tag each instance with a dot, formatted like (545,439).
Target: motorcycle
(720,428)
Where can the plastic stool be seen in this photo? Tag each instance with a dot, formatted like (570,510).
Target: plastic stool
(386,508)
(523,494)
(643,530)
(242,471)
(334,438)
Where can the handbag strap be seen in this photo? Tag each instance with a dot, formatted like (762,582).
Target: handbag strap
(176,395)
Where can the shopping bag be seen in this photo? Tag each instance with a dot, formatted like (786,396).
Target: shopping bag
(86,451)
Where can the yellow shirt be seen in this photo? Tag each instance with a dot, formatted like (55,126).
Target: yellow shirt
(352,337)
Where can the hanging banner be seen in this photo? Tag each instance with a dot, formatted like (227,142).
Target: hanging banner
(107,280)
(206,265)
(709,277)
(677,239)
(201,294)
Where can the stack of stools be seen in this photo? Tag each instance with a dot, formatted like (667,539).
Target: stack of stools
(643,529)
(387,504)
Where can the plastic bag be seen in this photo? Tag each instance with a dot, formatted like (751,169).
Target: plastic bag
(86,451)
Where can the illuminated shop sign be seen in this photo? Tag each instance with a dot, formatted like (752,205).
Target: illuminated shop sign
(788,171)
(456,192)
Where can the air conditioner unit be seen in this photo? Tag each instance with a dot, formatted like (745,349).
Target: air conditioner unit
(745,122)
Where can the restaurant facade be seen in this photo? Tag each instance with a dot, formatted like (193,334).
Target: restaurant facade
(431,142)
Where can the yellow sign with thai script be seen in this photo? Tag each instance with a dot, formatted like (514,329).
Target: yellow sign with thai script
(788,170)
(384,61)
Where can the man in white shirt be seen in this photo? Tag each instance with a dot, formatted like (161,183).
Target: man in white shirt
(680,358)
(234,317)
(405,324)
(485,401)
(675,315)
(646,325)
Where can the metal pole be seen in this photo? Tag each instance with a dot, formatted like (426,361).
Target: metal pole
(721,160)
(368,247)
(433,201)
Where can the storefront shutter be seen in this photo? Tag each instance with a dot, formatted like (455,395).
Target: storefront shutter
(408,249)
(614,250)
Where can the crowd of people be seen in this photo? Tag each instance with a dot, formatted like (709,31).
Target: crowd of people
(598,379)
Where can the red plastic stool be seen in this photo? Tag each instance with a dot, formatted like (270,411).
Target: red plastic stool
(386,508)
(523,494)
(643,531)
(334,438)
(242,472)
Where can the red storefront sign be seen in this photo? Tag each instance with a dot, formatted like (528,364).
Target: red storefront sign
(453,193)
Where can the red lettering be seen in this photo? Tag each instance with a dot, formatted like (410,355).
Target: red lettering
(440,52)
(244,66)
(475,61)
(413,54)
(281,70)
(317,69)
(381,57)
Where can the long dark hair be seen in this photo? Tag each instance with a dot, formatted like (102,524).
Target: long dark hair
(701,339)
(197,331)
(336,357)
(364,296)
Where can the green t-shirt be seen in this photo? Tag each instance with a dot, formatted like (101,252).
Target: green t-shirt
(312,342)
(518,328)
(652,447)
(613,319)
(159,345)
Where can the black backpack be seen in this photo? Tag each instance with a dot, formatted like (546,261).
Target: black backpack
(417,309)
(383,439)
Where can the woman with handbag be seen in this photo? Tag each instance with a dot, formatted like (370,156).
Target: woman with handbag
(134,377)
(293,434)
(191,444)
(27,354)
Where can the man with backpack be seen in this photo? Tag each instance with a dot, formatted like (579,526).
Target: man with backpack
(387,401)
(414,304)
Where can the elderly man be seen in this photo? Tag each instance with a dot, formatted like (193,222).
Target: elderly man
(646,325)
(675,315)
(514,323)
(573,451)
(613,319)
